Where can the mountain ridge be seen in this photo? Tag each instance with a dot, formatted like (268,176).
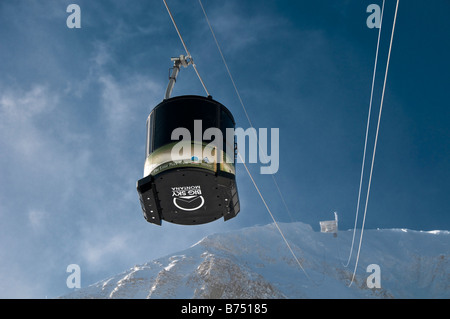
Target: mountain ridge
(254,262)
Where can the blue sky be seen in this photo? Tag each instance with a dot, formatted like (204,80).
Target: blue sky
(73,106)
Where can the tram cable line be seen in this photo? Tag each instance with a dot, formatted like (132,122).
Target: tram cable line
(366,137)
(375,143)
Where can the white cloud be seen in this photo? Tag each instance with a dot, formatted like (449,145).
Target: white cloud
(122,100)
(237,30)
(38,219)
(19,110)
(42,155)
(98,252)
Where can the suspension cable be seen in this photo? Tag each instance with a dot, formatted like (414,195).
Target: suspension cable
(367,133)
(376,141)
(185,47)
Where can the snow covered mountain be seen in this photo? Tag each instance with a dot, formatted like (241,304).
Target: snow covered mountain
(255,262)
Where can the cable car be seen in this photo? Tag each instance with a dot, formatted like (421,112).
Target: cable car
(189,181)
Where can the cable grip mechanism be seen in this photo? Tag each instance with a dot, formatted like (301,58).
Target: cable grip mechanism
(182,60)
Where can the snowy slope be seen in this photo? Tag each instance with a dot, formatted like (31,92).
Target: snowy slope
(255,263)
